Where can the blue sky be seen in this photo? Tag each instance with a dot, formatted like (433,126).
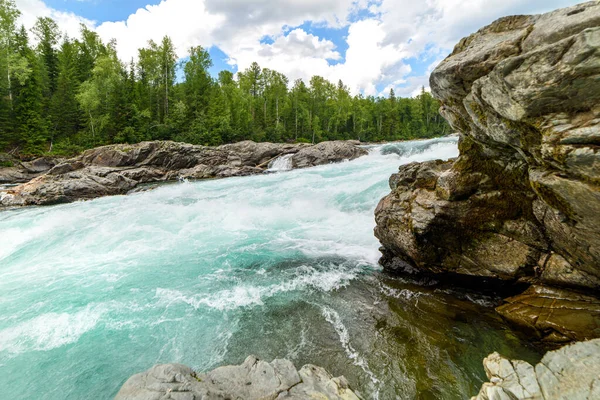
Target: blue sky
(101,10)
(372,45)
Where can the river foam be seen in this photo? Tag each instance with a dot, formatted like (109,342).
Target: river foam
(49,331)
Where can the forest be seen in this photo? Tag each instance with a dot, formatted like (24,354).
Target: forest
(61,95)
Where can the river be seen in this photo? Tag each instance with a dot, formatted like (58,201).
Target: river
(282,265)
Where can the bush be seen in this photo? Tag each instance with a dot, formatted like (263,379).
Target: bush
(65,148)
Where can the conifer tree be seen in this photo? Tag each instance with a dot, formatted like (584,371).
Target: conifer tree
(67,95)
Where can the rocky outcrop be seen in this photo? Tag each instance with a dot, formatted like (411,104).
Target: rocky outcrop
(324,153)
(117,169)
(253,380)
(522,201)
(13,170)
(571,373)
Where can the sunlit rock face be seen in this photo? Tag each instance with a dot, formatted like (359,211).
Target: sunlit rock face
(253,380)
(522,201)
(568,373)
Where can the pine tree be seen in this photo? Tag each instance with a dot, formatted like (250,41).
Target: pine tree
(29,101)
(65,114)
(66,98)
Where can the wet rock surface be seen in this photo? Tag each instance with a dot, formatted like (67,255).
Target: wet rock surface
(572,373)
(554,315)
(522,201)
(117,169)
(253,380)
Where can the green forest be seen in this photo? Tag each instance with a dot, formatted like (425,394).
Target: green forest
(61,95)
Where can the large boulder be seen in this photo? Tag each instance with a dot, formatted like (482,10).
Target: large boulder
(118,169)
(327,152)
(253,380)
(522,201)
(571,373)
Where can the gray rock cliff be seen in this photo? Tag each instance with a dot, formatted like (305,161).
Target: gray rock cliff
(522,201)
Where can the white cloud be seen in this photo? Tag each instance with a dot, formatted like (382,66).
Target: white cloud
(379,45)
(68,22)
(369,61)
(187,22)
(431,28)
(298,43)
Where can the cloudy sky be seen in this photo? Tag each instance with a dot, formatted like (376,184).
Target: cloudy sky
(372,45)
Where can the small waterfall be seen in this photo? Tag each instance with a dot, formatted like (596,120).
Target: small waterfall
(411,148)
(283,163)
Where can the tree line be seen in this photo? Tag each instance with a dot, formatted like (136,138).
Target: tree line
(61,95)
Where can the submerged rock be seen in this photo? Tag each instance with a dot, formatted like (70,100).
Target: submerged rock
(554,315)
(522,201)
(117,169)
(571,373)
(254,379)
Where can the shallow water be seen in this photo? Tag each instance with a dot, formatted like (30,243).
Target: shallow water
(282,265)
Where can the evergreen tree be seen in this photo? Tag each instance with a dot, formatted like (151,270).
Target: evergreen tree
(28,100)
(63,98)
(47,34)
(64,114)
(198,82)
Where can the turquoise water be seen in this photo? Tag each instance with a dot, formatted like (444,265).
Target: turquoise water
(282,265)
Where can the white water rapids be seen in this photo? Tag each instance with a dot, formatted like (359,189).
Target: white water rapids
(280,265)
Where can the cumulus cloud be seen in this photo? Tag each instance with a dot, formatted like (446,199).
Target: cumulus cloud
(67,21)
(298,43)
(370,61)
(384,36)
(187,22)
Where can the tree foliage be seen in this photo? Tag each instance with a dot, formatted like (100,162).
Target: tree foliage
(64,95)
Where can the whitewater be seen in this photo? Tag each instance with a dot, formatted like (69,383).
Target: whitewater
(281,265)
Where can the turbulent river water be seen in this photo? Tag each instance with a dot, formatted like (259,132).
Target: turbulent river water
(282,265)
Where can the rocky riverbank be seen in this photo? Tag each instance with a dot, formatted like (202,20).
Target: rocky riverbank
(522,201)
(252,380)
(14,171)
(117,169)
